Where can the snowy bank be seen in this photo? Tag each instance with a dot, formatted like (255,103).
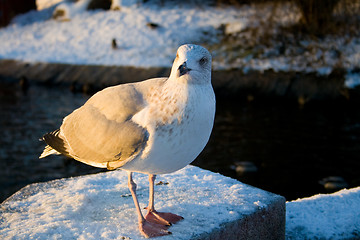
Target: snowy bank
(148,34)
(324,216)
(87,37)
(100,206)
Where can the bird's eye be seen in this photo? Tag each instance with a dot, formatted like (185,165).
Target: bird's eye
(202,61)
(177,55)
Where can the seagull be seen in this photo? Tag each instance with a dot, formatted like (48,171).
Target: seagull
(156,126)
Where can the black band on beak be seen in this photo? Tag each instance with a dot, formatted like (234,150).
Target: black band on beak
(183,69)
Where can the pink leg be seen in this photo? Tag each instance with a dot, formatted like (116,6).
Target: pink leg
(146,228)
(163,218)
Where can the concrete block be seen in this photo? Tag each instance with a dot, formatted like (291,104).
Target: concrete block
(100,206)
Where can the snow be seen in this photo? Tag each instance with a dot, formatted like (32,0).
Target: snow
(85,37)
(235,27)
(352,80)
(70,9)
(43,4)
(325,216)
(100,206)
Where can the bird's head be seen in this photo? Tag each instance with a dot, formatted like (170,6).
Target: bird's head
(192,64)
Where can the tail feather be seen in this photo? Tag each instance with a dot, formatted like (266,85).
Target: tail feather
(55,144)
(48,151)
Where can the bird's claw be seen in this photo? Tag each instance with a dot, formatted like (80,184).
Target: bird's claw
(163,218)
(149,229)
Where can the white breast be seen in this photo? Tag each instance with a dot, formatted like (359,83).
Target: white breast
(173,146)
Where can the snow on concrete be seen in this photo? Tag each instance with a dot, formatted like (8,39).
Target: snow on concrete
(100,206)
(324,216)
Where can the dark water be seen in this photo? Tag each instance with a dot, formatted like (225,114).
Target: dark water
(291,148)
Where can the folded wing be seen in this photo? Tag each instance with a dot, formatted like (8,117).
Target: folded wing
(101,132)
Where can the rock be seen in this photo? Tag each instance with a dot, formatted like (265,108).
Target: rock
(245,168)
(152,25)
(99,4)
(114,44)
(334,183)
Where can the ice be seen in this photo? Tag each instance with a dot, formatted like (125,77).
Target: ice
(325,216)
(352,80)
(100,206)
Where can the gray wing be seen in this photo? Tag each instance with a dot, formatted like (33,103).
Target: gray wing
(101,132)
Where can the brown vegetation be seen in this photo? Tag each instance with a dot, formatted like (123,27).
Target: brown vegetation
(318,17)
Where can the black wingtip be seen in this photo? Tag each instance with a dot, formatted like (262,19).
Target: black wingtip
(53,140)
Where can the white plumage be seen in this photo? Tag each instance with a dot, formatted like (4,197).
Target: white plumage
(156,126)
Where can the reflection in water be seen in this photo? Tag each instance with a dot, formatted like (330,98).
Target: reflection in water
(24,118)
(290,149)
(293,149)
